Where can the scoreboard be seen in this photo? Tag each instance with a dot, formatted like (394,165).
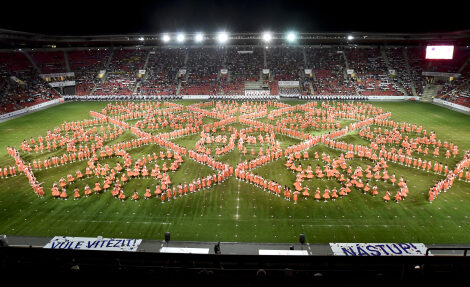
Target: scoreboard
(439,52)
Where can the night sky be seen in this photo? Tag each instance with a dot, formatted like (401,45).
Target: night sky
(129,17)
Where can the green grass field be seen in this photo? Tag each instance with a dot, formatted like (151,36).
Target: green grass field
(235,210)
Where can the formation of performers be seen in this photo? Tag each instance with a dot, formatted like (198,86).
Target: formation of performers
(446,183)
(336,169)
(86,140)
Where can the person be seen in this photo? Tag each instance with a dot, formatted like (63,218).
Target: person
(386,198)
(217,248)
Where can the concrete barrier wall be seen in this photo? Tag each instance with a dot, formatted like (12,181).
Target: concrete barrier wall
(31,109)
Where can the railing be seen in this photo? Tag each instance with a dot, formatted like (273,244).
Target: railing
(447,248)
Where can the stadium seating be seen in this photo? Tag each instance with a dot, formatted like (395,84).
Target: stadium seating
(371,72)
(458,91)
(285,63)
(328,67)
(417,65)
(20,84)
(162,72)
(49,62)
(182,71)
(203,67)
(398,64)
(244,64)
(121,74)
(86,65)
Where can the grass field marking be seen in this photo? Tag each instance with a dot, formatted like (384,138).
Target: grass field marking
(119,221)
(238,200)
(349,225)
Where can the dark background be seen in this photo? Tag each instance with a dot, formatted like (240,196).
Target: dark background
(124,17)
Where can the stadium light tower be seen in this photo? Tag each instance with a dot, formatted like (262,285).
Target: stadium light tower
(222,37)
(180,38)
(350,37)
(199,37)
(291,37)
(166,38)
(267,37)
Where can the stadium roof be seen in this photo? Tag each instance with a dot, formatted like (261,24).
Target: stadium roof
(13,39)
(111,23)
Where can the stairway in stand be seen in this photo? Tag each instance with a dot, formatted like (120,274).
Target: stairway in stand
(429,92)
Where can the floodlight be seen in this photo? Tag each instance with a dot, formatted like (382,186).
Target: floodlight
(166,38)
(291,36)
(222,37)
(267,36)
(180,38)
(199,37)
(141,38)
(350,37)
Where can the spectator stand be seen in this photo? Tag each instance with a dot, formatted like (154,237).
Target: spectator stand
(328,71)
(370,72)
(203,67)
(20,84)
(161,75)
(87,64)
(121,74)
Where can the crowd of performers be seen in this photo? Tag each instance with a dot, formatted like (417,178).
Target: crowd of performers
(85,140)
(116,177)
(446,183)
(335,169)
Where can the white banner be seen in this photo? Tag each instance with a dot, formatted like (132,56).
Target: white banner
(453,105)
(53,75)
(184,250)
(91,243)
(196,97)
(392,72)
(183,71)
(142,72)
(387,97)
(265,71)
(350,71)
(224,71)
(308,71)
(30,109)
(245,52)
(288,83)
(283,252)
(440,74)
(378,249)
(62,84)
(257,92)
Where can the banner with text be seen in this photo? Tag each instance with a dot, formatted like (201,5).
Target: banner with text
(91,243)
(441,74)
(378,249)
(56,75)
(288,83)
(62,84)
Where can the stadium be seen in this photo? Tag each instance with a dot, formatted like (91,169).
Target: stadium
(216,155)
